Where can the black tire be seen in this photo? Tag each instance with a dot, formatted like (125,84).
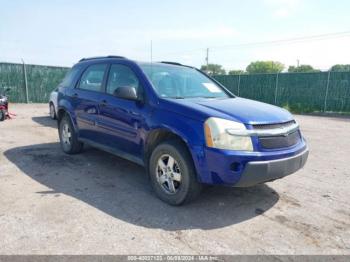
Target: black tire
(2,115)
(52,111)
(189,188)
(73,145)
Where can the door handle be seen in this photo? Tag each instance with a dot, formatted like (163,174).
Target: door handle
(103,103)
(75,95)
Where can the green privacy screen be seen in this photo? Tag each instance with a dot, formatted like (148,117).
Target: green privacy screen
(300,92)
(41,80)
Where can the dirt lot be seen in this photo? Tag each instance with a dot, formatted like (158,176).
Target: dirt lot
(96,203)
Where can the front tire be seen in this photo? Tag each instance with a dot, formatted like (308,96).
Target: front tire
(52,111)
(172,173)
(68,137)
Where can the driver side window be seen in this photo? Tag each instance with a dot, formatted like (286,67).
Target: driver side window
(121,76)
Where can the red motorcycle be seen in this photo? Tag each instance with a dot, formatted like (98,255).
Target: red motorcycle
(4,106)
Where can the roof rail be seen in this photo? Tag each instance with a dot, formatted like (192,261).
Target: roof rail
(171,63)
(178,64)
(101,57)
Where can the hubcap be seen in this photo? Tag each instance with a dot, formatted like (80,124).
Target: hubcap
(66,134)
(168,174)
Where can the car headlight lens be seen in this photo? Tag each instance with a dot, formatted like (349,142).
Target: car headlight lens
(216,135)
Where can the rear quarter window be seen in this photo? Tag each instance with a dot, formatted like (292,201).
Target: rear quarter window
(71,76)
(92,77)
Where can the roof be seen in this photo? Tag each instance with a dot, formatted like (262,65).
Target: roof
(101,57)
(122,57)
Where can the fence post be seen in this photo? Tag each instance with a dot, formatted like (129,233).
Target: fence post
(25,81)
(326,95)
(239,82)
(276,89)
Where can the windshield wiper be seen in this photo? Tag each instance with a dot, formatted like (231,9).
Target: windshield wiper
(182,97)
(176,97)
(209,97)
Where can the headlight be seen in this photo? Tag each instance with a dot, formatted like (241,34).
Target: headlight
(217,136)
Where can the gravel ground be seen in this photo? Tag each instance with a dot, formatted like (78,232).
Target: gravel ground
(96,203)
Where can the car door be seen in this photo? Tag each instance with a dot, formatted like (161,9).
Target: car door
(87,95)
(120,120)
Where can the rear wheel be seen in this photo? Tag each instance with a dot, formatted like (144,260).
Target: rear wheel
(2,115)
(52,111)
(68,137)
(172,173)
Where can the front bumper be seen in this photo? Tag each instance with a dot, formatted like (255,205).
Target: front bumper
(242,169)
(257,172)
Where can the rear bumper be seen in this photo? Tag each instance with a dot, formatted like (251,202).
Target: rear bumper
(257,172)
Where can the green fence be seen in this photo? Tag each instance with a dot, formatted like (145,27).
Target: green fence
(299,92)
(41,80)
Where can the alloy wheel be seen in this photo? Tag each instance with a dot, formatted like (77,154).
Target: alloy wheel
(66,135)
(168,174)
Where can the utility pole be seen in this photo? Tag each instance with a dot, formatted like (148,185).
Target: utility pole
(207,58)
(298,62)
(25,81)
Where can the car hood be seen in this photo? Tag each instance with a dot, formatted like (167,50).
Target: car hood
(238,109)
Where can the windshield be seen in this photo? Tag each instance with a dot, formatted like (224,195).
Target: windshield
(181,82)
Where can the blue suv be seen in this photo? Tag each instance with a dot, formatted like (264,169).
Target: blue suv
(183,126)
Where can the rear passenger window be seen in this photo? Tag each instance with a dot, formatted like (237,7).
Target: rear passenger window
(93,77)
(121,76)
(70,76)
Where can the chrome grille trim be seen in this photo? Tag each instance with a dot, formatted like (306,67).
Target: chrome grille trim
(273,126)
(281,131)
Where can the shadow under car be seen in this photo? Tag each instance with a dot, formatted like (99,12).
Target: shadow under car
(121,189)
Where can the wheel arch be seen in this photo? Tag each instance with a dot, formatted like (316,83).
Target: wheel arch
(61,112)
(159,135)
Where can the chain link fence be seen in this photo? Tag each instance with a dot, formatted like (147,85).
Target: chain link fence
(30,83)
(298,92)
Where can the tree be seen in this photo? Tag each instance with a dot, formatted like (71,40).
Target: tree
(302,69)
(213,69)
(339,68)
(264,67)
(236,72)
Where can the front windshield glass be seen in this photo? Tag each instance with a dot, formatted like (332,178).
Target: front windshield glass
(172,81)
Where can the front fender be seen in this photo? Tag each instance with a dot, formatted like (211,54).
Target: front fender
(190,130)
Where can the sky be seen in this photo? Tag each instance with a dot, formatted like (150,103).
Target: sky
(62,32)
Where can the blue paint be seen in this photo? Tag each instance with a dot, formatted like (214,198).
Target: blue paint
(122,125)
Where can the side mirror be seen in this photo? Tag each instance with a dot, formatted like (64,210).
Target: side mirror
(127,92)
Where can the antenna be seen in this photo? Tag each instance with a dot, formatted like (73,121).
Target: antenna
(151,51)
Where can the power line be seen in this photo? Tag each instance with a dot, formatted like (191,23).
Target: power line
(311,38)
(291,40)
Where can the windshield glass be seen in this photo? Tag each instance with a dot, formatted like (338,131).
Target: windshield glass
(172,81)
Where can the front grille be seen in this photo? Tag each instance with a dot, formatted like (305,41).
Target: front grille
(273,126)
(274,142)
